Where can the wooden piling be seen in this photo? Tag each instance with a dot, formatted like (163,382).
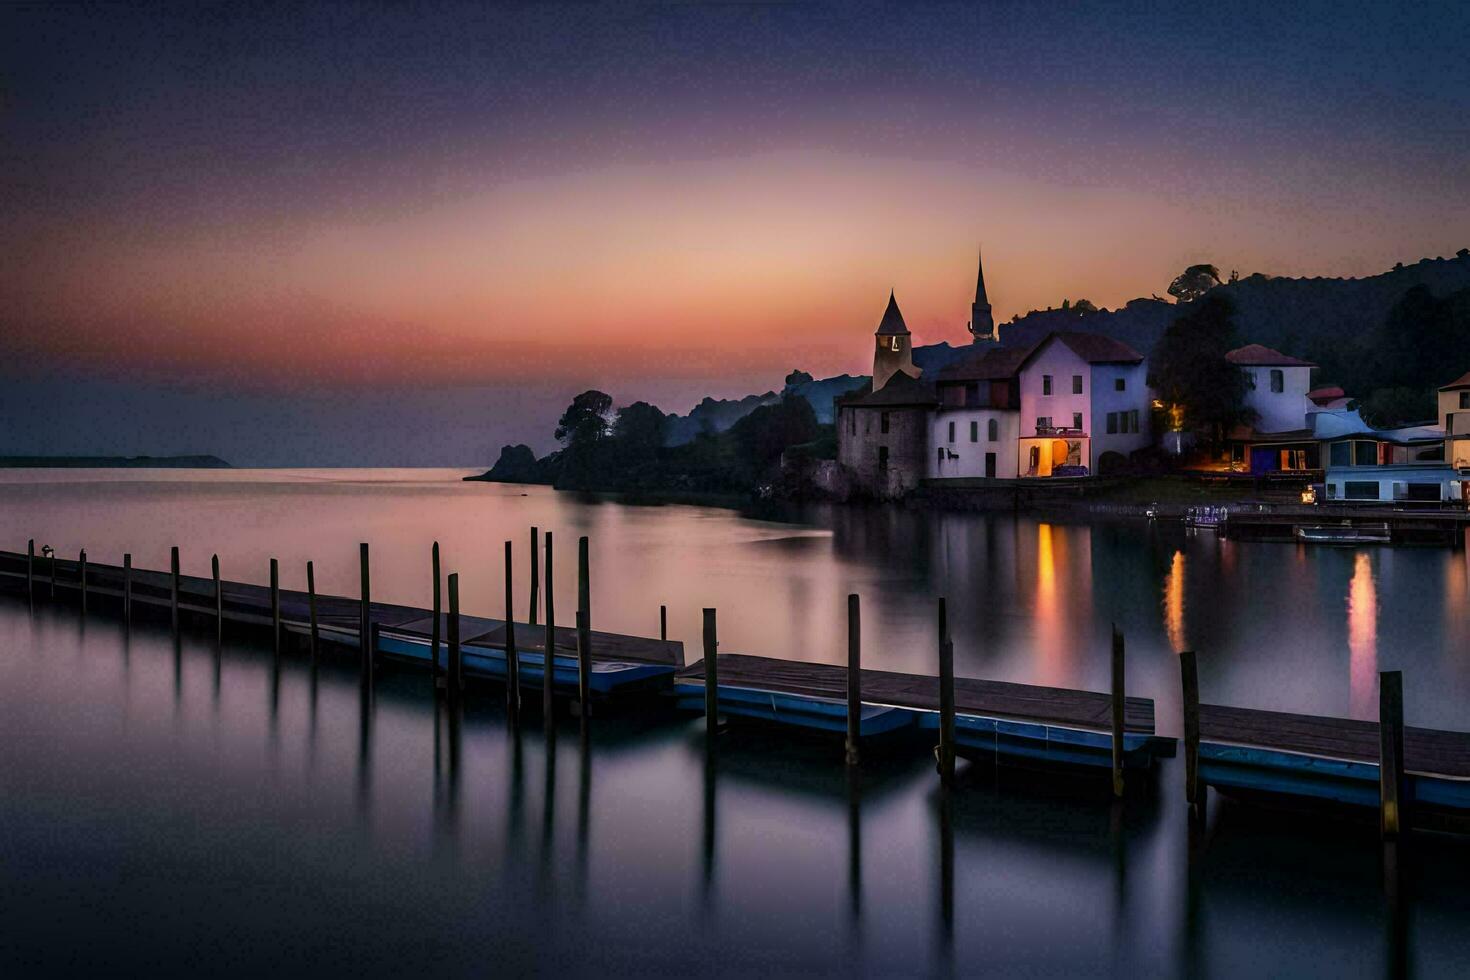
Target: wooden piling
(945,751)
(663,622)
(549,668)
(219,600)
(584,630)
(275,607)
(434,638)
(1391,795)
(512,655)
(455,666)
(82,577)
(31,571)
(535,573)
(173,587)
(1117,713)
(365,640)
(854,678)
(127,591)
(711,673)
(311,607)
(1194,793)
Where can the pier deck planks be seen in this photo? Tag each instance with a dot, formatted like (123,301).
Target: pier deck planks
(1061,706)
(1426,751)
(247,603)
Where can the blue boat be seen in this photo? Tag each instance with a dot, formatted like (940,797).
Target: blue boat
(1040,742)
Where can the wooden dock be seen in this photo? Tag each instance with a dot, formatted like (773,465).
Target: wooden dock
(620,663)
(1045,724)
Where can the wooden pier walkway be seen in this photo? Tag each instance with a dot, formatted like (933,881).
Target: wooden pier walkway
(405,632)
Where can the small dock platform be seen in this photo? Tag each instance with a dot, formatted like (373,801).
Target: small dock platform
(992,718)
(1334,759)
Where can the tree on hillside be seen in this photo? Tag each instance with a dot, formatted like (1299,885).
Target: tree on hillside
(1194,282)
(1389,408)
(762,436)
(585,422)
(638,431)
(1189,371)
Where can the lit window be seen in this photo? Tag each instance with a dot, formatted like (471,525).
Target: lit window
(893,344)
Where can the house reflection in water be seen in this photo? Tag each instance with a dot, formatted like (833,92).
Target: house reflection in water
(1174,603)
(1362,605)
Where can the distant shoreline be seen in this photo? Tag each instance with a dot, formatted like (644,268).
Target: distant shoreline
(114,462)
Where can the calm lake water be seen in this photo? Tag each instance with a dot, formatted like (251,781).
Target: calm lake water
(181,809)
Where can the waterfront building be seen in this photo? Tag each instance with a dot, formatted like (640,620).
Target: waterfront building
(1073,404)
(1454,414)
(883,432)
(1279,394)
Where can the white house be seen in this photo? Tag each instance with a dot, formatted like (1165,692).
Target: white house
(1084,405)
(1276,387)
(1074,404)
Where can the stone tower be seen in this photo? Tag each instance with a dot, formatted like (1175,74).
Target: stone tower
(893,351)
(982,324)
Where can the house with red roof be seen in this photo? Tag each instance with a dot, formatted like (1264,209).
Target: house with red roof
(1279,393)
(1454,412)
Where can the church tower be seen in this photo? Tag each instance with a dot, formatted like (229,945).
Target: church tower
(982,325)
(894,349)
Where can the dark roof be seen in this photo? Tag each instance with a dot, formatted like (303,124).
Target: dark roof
(1259,355)
(993,364)
(1093,348)
(1463,381)
(980,297)
(901,390)
(892,322)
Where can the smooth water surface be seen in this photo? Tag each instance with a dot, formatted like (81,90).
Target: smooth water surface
(170,808)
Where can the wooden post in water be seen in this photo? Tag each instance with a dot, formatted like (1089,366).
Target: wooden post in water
(311,607)
(31,571)
(82,577)
(127,590)
(434,637)
(535,573)
(711,674)
(1194,793)
(584,630)
(549,667)
(854,678)
(512,655)
(454,668)
(945,750)
(366,639)
(219,600)
(1391,753)
(275,607)
(1117,713)
(173,587)
(663,622)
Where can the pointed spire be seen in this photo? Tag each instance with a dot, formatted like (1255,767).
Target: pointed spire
(980,297)
(892,322)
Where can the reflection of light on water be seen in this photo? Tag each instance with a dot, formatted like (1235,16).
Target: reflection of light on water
(1048,629)
(1363,639)
(1174,602)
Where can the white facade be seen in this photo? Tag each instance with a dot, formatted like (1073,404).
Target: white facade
(1278,396)
(973,442)
(1454,415)
(1074,412)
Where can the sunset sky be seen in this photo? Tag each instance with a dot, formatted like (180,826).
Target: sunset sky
(445,211)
